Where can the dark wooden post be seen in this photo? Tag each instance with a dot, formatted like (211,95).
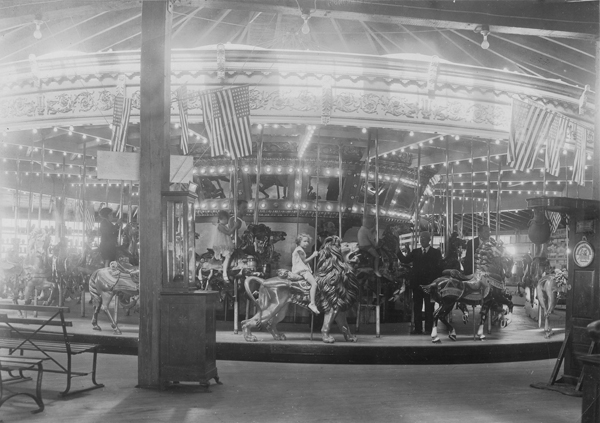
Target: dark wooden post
(155,87)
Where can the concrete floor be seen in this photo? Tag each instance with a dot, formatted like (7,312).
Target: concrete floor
(282,392)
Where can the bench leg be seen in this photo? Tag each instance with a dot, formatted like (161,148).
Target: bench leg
(38,391)
(69,377)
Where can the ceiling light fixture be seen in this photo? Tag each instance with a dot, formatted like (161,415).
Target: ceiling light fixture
(37,34)
(485,31)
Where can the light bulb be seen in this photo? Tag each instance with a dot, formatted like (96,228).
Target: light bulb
(37,34)
(485,43)
(305,27)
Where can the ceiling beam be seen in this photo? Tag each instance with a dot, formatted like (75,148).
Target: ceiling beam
(577,20)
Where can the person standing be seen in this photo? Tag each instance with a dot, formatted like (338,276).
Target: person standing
(426,267)
(109,234)
(473,245)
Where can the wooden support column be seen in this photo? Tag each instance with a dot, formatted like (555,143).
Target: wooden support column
(155,92)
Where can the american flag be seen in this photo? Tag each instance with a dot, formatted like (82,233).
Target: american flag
(121,114)
(226,116)
(579,136)
(554,219)
(182,102)
(555,144)
(87,216)
(528,130)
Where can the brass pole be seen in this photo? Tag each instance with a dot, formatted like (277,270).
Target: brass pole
(340,188)
(498,197)
(42,164)
(488,183)
(378,291)
(258,172)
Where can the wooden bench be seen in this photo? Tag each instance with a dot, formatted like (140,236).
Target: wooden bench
(27,334)
(20,364)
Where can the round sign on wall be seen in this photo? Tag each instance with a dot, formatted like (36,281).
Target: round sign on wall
(583,253)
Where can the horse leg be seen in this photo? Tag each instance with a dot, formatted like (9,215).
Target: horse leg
(272,324)
(465,312)
(105,307)
(485,308)
(441,314)
(342,322)
(263,316)
(95,315)
(327,321)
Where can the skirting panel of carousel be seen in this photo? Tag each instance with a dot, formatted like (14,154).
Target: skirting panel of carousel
(521,340)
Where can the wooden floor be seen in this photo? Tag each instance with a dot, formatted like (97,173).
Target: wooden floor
(290,392)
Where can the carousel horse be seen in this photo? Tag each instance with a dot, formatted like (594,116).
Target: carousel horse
(257,240)
(393,274)
(486,287)
(520,267)
(534,272)
(11,270)
(548,289)
(131,242)
(119,279)
(37,270)
(337,291)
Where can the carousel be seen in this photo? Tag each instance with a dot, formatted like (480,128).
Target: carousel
(406,142)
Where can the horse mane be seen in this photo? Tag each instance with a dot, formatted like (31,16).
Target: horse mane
(338,285)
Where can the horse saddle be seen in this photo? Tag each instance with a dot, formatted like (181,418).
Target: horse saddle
(119,269)
(457,274)
(295,280)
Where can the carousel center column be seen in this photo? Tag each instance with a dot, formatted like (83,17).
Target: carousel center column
(155,118)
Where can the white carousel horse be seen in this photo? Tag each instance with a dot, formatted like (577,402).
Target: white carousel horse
(121,280)
(548,288)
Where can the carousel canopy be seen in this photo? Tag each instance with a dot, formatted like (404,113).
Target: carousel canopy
(433,84)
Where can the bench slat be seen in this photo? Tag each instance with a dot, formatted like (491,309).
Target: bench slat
(51,309)
(48,346)
(39,322)
(9,359)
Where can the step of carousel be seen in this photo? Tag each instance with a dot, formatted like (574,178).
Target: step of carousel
(522,340)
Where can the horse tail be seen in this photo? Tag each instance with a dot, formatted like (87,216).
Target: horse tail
(249,292)
(96,297)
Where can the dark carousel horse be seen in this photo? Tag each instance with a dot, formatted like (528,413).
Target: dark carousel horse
(486,287)
(253,258)
(393,274)
(533,273)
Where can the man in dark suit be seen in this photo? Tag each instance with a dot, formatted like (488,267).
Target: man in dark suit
(473,245)
(426,267)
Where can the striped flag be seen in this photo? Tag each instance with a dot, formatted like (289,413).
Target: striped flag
(182,102)
(579,136)
(555,144)
(87,216)
(121,114)
(554,218)
(528,130)
(226,116)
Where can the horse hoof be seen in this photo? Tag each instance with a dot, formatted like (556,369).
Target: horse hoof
(328,339)
(452,337)
(480,338)
(465,319)
(250,338)
(97,328)
(436,340)
(117,332)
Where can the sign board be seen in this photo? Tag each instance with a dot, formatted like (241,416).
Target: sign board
(126,166)
(584,226)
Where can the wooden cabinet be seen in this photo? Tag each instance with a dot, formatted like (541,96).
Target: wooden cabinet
(188,337)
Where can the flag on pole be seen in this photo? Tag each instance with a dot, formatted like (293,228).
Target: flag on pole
(579,136)
(226,116)
(121,114)
(554,219)
(528,130)
(86,215)
(555,144)
(182,102)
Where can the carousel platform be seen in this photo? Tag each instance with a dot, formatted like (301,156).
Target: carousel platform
(522,340)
